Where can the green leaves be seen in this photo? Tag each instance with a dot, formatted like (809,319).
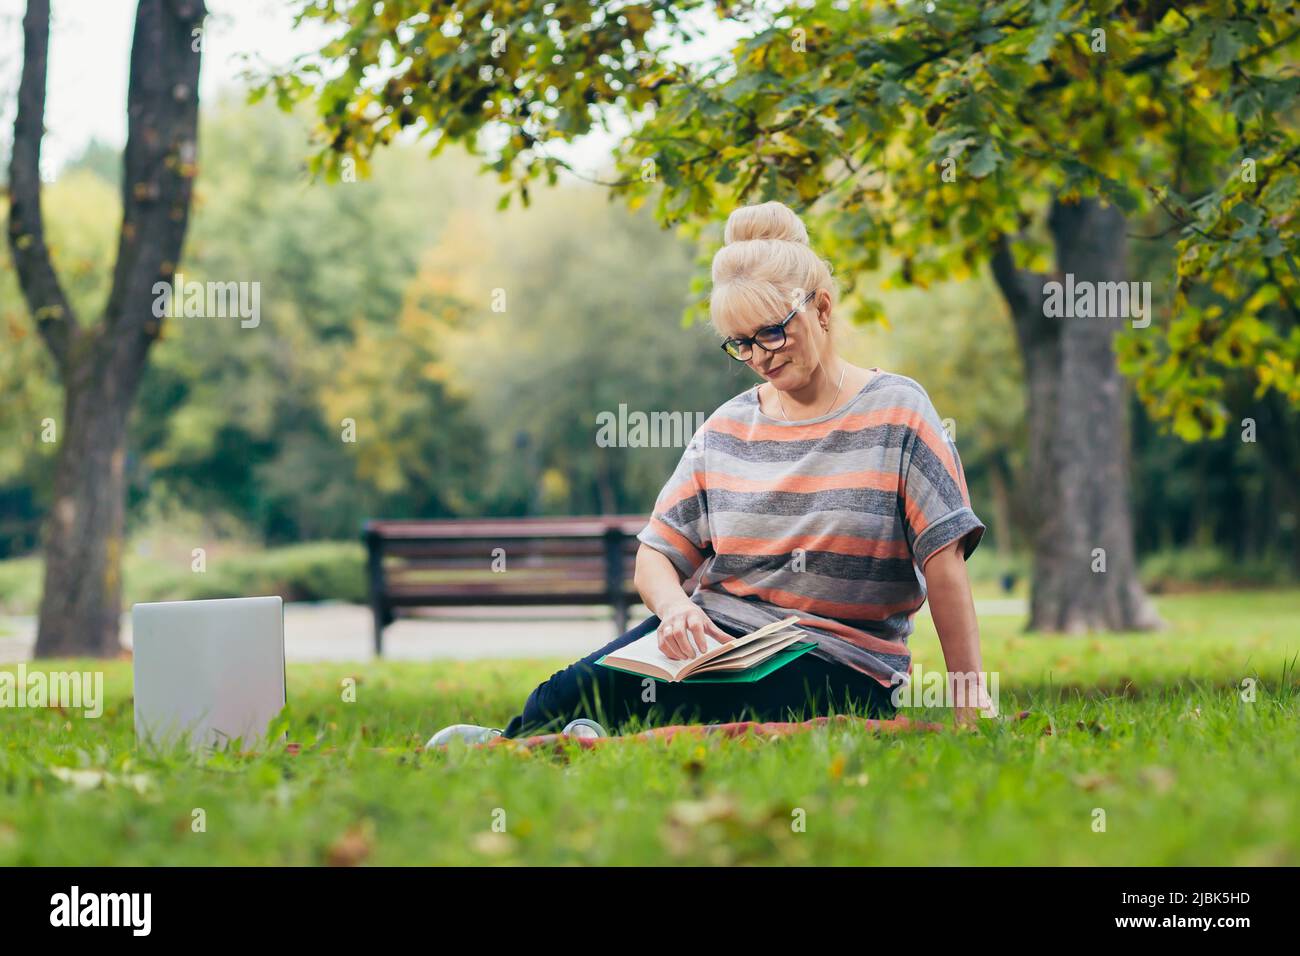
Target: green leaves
(1225,45)
(1045,38)
(1250,217)
(893,126)
(984,161)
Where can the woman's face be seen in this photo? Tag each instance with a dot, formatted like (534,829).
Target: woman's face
(792,365)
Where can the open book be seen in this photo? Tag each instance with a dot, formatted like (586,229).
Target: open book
(744,658)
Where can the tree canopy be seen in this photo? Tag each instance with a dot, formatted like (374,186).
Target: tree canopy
(938,131)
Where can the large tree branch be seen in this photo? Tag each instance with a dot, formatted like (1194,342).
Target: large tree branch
(1139,64)
(40,285)
(158,169)
(1020,287)
(1023,291)
(1153,58)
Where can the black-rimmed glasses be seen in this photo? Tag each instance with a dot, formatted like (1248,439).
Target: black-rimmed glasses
(770,338)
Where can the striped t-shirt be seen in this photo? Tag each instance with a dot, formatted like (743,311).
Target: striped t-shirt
(829,518)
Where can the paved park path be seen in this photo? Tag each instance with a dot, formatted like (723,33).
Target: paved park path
(331,631)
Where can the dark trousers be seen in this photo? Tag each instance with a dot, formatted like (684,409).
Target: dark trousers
(806,687)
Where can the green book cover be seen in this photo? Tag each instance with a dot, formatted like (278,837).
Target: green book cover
(747,676)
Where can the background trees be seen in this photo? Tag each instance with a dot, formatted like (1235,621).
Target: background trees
(380,304)
(1031,136)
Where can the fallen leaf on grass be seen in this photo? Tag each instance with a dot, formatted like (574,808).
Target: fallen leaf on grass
(693,813)
(353,847)
(91,779)
(685,819)
(1092,780)
(1161,779)
(723,830)
(492,843)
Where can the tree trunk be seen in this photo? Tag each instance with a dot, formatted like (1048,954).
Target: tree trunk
(606,494)
(100,365)
(1278,439)
(1078,435)
(1000,488)
(1040,351)
(81,599)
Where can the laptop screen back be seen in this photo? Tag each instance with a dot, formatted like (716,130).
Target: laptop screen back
(210,671)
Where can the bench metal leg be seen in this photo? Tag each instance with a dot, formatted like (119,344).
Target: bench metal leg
(375,567)
(614,578)
(378,612)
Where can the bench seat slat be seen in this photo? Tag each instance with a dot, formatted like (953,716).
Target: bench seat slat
(487,550)
(507,527)
(493,584)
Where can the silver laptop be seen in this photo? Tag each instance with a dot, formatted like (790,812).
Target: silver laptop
(208,671)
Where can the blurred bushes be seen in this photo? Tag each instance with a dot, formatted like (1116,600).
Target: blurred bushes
(1197,568)
(319,571)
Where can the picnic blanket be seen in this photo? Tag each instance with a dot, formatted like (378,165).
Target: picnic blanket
(739,729)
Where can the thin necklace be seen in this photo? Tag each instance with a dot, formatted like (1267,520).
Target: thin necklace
(828,407)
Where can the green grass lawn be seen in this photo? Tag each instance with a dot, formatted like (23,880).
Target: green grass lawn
(1152,730)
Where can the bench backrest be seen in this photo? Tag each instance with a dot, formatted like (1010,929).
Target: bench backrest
(475,559)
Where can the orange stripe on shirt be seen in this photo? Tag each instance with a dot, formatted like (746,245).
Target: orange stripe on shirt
(916,517)
(868,642)
(677,540)
(853,635)
(688,487)
(893,415)
(834,543)
(803,484)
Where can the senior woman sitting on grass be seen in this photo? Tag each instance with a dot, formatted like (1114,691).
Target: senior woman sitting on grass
(828,491)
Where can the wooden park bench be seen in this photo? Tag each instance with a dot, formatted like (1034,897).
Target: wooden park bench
(541,561)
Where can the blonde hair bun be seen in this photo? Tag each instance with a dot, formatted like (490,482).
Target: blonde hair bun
(769,220)
(764,263)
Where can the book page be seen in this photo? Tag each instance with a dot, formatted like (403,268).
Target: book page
(643,654)
(747,660)
(751,647)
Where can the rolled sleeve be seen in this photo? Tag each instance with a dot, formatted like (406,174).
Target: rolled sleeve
(933,500)
(679,525)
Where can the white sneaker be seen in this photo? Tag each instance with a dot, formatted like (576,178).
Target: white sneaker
(469,733)
(582,727)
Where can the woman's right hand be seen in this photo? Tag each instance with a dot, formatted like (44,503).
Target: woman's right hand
(683,629)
